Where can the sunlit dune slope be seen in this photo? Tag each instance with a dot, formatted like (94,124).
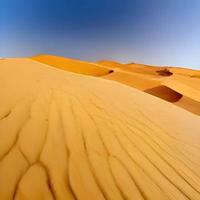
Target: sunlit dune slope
(133,67)
(109,63)
(186,72)
(176,85)
(193,83)
(69,136)
(81,67)
(151,70)
(141,69)
(184,89)
(151,79)
(131,79)
(184,92)
(179,92)
(189,104)
(154,70)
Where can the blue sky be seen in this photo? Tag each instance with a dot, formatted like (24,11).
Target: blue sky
(160,32)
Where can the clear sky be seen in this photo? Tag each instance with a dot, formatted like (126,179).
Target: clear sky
(161,32)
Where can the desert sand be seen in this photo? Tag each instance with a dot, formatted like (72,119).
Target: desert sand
(73,65)
(69,136)
(180,86)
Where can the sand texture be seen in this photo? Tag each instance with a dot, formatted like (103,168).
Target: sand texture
(72,65)
(69,136)
(180,86)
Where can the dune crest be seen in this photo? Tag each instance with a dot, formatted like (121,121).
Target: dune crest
(165,93)
(69,136)
(167,83)
(109,63)
(72,65)
(171,84)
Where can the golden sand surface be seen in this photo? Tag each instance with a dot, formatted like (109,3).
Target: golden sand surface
(182,87)
(77,66)
(132,79)
(69,136)
(109,63)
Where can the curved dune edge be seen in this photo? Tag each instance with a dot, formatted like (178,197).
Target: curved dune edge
(189,104)
(142,77)
(140,69)
(184,89)
(151,70)
(170,88)
(165,93)
(109,63)
(73,65)
(68,136)
(178,99)
(132,80)
(180,96)
(171,91)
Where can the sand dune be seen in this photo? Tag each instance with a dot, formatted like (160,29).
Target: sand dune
(69,136)
(151,70)
(178,99)
(133,80)
(132,67)
(109,63)
(142,69)
(73,65)
(178,93)
(183,89)
(168,83)
(165,93)
(186,72)
(189,104)
(187,81)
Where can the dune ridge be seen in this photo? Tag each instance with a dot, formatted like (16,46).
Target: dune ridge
(132,79)
(165,93)
(73,65)
(171,84)
(167,83)
(189,104)
(70,136)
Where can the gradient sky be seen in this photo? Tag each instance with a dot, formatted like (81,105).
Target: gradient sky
(161,32)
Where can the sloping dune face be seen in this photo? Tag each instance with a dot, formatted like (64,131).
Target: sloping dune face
(176,85)
(189,104)
(186,72)
(165,93)
(132,67)
(109,63)
(70,136)
(151,79)
(133,80)
(72,65)
(142,69)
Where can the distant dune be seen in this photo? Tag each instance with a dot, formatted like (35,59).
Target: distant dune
(77,66)
(189,104)
(65,135)
(109,63)
(176,85)
(165,93)
(172,84)
(150,70)
(132,79)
